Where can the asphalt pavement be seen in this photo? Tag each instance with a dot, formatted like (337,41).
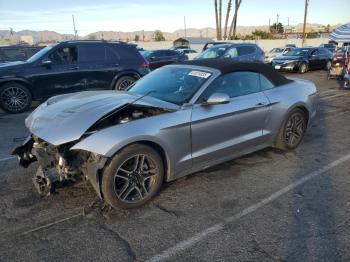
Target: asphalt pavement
(267,206)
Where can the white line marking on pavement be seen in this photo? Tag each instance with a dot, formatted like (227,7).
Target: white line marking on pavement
(333,96)
(186,244)
(7,158)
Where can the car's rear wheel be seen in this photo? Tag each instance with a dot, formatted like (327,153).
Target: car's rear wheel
(303,68)
(124,82)
(133,177)
(15,98)
(292,130)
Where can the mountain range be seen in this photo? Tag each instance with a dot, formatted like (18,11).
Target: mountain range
(49,36)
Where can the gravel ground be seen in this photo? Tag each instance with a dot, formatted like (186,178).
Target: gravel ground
(230,212)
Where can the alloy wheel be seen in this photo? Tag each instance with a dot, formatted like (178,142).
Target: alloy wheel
(303,68)
(294,130)
(14,98)
(328,65)
(135,178)
(125,84)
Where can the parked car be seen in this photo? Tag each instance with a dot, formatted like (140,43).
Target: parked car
(238,52)
(179,47)
(127,143)
(191,53)
(161,57)
(211,44)
(276,52)
(69,67)
(17,52)
(330,47)
(303,59)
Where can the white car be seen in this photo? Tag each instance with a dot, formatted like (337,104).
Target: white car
(275,52)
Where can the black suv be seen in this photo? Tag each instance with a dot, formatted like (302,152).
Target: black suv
(69,67)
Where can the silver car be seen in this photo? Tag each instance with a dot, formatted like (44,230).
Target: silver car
(175,121)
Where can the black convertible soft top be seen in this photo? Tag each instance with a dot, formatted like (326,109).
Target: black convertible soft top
(226,65)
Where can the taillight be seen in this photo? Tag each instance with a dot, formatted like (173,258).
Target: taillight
(145,64)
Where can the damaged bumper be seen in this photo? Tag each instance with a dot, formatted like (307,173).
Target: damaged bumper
(58,165)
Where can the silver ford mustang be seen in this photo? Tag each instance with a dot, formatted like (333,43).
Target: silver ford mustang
(177,120)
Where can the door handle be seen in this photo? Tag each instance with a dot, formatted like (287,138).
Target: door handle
(261,104)
(74,68)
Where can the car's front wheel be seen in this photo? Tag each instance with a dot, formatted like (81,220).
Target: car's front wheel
(292,130)
(124,82)
(15,98)
(328,65)
(302,68)
(133,177)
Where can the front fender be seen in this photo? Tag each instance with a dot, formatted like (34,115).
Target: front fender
(170,131)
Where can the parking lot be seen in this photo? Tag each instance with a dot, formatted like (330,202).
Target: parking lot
(267,206)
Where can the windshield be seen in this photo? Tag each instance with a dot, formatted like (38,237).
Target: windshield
(171,84)
(213,52)
(297,52)
(276,50)
(41,53)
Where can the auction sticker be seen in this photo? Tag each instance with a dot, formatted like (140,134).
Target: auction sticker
(200,74)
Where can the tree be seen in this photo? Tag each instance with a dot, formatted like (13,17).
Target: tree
(277,28)
(261,34)
(216,19)
(232,33)
(158,36)
(328,28)
(229,4)
(220,20)
(137,38)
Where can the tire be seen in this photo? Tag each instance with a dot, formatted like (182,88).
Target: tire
(15,98)
(303,68)
(124,82)
(125,184)
(288,132)
(328,65)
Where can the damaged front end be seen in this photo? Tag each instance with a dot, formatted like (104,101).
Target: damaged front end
(58,165)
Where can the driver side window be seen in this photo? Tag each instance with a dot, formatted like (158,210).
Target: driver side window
(234,84)
(64,55)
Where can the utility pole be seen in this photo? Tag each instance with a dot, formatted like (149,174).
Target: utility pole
(278,16)
(185,26)
(269,25)
(305,17)
(75,31)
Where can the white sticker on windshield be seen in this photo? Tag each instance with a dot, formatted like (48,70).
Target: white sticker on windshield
(199,74)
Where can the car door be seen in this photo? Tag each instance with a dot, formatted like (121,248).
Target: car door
(96,70)
(219,131)
(315,61)
(58,72)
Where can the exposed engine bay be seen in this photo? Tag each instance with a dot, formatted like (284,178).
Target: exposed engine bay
(60,166)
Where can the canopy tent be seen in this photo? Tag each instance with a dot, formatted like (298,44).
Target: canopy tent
(341,34)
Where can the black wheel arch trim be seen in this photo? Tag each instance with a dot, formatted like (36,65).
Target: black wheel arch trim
(18,80)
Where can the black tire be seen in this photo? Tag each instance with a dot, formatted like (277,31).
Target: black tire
(15,98)
(303,68)
(124,82)
(328,65)
(289,132)
(126,183)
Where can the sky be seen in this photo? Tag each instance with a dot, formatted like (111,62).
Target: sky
(132,15)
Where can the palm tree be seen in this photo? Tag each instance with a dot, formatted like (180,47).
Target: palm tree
(232,34)
(229,4)
(216,19)
(220,19)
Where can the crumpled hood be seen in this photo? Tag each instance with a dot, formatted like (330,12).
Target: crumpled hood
(65,118)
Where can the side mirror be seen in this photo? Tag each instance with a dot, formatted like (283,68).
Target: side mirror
(217,99)
(46,63)
(152,57)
